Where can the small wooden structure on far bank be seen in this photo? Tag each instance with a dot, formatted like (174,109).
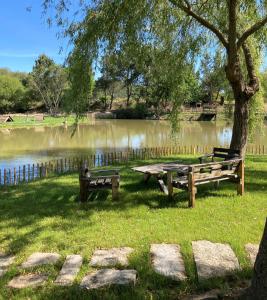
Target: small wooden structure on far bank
(6,119)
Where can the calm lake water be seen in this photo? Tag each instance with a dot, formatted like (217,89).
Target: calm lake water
(31,145)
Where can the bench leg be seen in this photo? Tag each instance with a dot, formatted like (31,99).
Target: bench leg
(191,190)
(192,197)
(115,188)
(241,178)
(146,177)
(216,184)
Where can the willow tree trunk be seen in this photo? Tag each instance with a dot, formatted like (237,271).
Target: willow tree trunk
(258,288)
(240,126)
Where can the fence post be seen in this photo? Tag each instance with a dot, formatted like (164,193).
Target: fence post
(29,172)
(24,173)
(15,177)
(9,177)
(45,169)
(61,165)
(5,177)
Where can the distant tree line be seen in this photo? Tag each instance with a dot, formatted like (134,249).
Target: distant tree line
(152,85)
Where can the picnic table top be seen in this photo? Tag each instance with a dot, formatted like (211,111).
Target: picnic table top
(155,169)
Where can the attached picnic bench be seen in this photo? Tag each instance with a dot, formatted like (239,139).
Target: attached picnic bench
(203,173)
(92,180)
(220,153)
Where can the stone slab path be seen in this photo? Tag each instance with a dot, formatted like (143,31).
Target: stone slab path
(252,250)
(40,258)
(214,259)
(210,295)
(69,270)
(29,280)
(111,257)
(5,262)
(107,277)
(167,261)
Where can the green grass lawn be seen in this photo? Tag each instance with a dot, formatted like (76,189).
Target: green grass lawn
(45,216)
(23,121)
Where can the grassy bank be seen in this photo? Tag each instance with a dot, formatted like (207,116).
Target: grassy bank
(45,216)
(24,121)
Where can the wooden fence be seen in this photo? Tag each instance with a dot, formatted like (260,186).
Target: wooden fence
(31,172)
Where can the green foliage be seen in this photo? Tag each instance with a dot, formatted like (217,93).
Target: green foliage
(81,85)
(213,81)
(256,115)
(11,93)
(127,31)
(256,105)
(49,81)
(263,79)
(107,85)
(139,111)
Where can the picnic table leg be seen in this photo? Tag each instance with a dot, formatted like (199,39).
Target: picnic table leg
(146,177)
(115,188)
(162,186)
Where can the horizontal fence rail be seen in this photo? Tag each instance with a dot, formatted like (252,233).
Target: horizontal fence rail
(32,172)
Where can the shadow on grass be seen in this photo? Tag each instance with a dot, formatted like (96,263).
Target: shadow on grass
(27,209)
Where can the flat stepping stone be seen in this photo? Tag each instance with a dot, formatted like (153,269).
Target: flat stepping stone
(5,262)
(111,257)
(167,261)
(2,272)
(214,259)
(29,280)
(40,258)
(211,295)
(107,277)
(69,270)
(252,250)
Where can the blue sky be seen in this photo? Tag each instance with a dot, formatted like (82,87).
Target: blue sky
(25,34)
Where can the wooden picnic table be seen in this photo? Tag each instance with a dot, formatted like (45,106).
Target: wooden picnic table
(158,171)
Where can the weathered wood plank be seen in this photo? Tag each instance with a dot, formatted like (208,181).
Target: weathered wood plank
(163,187)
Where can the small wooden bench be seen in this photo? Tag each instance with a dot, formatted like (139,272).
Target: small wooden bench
(198,174)
(220,153)
(92,180)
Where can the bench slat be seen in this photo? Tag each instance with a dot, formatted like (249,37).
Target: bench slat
(231,151)
(184,183)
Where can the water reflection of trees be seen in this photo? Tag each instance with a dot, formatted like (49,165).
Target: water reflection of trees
(112,134)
